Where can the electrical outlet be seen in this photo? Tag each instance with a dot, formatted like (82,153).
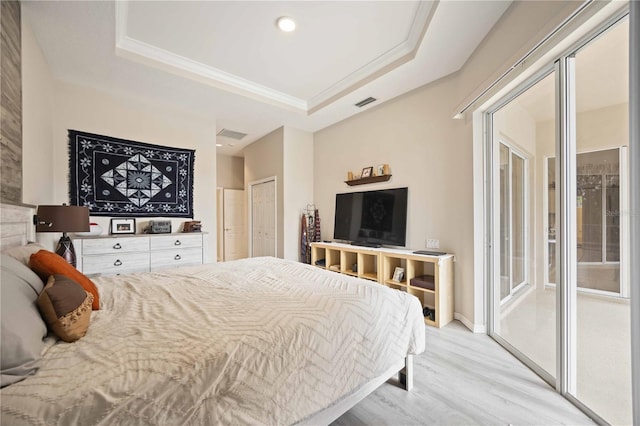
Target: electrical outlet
(432,243)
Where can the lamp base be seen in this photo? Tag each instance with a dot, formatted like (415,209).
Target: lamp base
(66,250)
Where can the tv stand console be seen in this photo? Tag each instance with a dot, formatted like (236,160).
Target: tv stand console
(428,277)
(364,244)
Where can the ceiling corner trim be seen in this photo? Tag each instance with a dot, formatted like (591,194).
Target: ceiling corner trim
(121,18)
(147,54)
(388,61)
(421,21)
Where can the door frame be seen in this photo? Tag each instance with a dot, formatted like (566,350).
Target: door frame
(219,224)
(515,149)
(251,185)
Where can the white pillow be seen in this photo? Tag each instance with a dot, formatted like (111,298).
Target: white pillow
(23,253)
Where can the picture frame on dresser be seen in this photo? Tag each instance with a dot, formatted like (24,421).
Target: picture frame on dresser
(122,226)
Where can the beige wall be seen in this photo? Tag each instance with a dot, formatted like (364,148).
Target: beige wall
(53,107)
(431,153)
(287,154)
(230,172)
(426,152)
(262,159)
(298,186)
(37,128)
(37,121)
(133,119)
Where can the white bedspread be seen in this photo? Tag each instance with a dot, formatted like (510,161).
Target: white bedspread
(255,341)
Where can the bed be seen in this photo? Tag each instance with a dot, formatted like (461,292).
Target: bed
(255,341)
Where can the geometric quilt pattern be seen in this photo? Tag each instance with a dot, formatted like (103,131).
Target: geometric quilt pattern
(117,177)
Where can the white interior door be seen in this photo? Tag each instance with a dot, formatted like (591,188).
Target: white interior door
(219,224)
(263,218)
(234,224)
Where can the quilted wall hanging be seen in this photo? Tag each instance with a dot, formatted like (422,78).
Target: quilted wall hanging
(117,177)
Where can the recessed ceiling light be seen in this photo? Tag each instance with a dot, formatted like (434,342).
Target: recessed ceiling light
(286,24)
(218,144)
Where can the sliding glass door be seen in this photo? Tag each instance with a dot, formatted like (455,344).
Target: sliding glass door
(524,309)
(601,379)
(559,256)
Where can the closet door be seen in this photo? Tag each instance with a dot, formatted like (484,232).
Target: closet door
(263,218)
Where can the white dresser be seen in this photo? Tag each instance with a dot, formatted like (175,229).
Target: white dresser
(109,255)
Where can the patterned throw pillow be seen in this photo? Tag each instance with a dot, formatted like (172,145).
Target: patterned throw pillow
(65,307)
(46,263)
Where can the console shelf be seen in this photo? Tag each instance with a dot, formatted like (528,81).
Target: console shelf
(379,264)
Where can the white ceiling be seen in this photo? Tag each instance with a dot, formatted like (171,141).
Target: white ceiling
(227,61)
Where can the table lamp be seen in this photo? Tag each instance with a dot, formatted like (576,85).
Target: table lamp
(63,219)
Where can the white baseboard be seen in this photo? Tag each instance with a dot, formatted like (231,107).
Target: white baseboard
(475,328)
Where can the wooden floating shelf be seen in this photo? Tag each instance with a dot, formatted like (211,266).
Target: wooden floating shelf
(370,179)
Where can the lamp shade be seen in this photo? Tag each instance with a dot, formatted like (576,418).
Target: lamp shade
(62,219)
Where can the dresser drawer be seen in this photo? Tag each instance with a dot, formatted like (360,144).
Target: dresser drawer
(114,245)
(177,257)
(120,263)
(176,241)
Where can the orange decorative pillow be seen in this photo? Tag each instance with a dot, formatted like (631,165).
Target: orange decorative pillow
(46,263)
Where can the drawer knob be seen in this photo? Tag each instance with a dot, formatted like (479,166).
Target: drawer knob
(177,243)
(117,246)
(117,262)
(177,257)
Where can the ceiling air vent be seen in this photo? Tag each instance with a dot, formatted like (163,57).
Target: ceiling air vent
(365,102)
(231,134)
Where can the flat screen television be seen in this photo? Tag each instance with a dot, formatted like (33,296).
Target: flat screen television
(372,218)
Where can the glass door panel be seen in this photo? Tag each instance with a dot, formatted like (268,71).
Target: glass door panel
(601,376)
(524,318)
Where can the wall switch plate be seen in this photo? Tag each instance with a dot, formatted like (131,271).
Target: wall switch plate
(432,243)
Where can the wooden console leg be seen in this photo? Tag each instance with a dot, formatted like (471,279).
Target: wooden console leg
(406,374)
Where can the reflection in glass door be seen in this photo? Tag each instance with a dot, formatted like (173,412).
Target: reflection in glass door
(513,194)
(597,221)
(523,318)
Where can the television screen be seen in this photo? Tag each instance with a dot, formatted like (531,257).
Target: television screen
(372,217)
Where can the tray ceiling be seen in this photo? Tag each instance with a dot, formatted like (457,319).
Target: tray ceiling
(228,61)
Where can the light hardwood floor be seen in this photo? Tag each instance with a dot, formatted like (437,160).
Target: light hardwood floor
(465,378)
(603,346)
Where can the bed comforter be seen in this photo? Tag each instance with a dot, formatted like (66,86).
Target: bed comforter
(255,341)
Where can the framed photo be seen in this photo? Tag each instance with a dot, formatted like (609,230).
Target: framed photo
(398,274)
(380,170)
(367,171)
(123,226)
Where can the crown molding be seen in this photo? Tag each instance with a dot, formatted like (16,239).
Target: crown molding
(401,53)
(139,51)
